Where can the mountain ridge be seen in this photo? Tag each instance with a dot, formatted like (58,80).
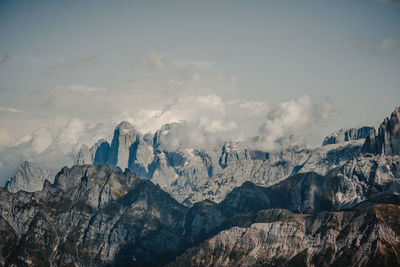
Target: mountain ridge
(98,215)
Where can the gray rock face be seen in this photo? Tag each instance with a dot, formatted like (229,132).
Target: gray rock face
(99,152)
(192,175)
(360,179)
(96,216)
(124,136)
(29,178)
(84,156)
(346,135)
(277,167)
(129,149)
(91,216)
(279,238)
(387,141)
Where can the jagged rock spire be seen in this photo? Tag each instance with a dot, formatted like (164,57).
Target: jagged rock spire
(387,141)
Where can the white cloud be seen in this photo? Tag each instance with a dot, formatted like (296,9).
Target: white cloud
(41,140)
(71,133)
(5,138)
(287,122)
(157,60)
(191,109)
(386,45)
(67,116)
(51,147)
(208,111)
(252,108)
(217,125)
(9,109)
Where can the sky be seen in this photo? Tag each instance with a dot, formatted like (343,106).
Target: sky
(70,71)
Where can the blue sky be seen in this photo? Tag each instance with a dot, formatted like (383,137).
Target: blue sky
(74,65)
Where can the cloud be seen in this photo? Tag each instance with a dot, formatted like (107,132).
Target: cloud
(391,2)
(72,63)
(49,147)
(198,122)
(157,60)
(208,111)
(386,45)
(194,81)
(195,64)
(9,109)
(187,135)
(5,138)
(191,109)
(56,121)
(41,140)
(286,123)
(83,89)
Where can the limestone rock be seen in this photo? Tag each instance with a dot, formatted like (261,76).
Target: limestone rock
(124,136)
(360,179)
(29,178)
(280,238)
(346,135)
(387,141)
(91,216)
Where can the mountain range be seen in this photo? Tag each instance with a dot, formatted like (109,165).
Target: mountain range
(191,175)
(137,202)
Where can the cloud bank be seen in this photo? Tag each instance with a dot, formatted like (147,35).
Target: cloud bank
(287,123)
(55,122)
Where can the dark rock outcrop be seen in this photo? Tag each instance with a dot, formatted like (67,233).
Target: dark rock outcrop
(368,237)
(387,140)
(91,216)
(95,216)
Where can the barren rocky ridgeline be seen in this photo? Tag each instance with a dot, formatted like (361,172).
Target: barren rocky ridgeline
(95,215)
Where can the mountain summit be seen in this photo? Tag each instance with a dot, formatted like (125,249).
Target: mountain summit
(271,209)
(387,141)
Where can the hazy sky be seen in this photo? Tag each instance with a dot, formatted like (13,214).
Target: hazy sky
(71,70)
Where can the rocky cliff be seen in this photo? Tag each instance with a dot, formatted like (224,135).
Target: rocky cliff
(346,135)
(90,216)
(387,140)
(360,179)
(95,216)
(191,175)
(368,237)
(30,178)
(270,209)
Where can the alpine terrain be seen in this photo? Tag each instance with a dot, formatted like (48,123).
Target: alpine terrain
(137,201)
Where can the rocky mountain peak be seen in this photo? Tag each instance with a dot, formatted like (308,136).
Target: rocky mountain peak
(83,156)
(25,165)
(125,128)
(346,135)
(125,135)
(29,178)
(387,140)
